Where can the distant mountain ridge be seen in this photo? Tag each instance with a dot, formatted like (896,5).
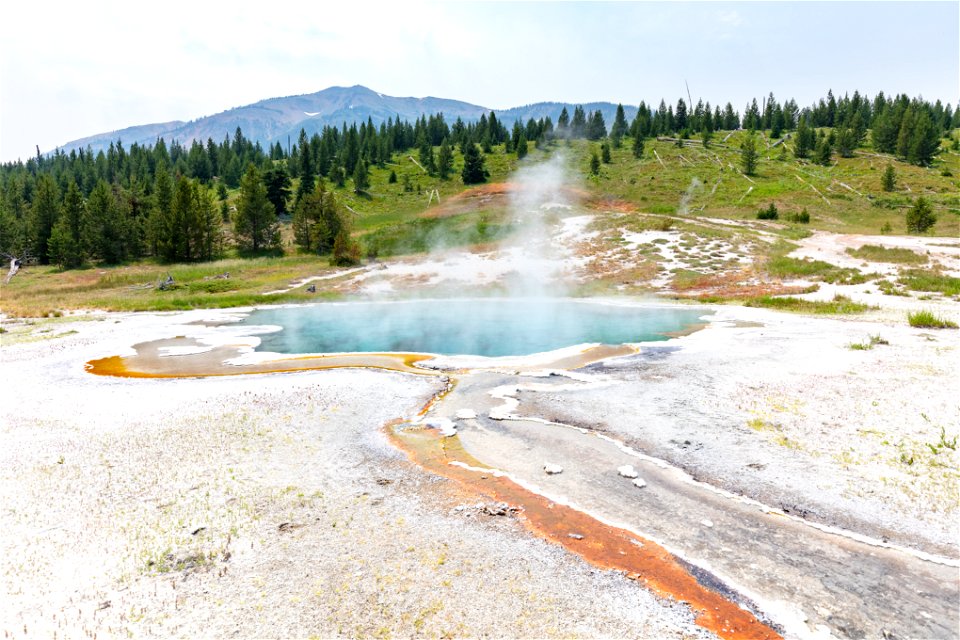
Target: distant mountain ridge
(279,119)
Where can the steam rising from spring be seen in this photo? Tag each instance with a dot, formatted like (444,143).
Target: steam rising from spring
(539,191)
(687,197)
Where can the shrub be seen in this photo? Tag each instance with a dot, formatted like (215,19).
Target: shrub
(770,213)
(802,218)
(920,217)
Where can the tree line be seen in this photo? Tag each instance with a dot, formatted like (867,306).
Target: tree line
(170,201)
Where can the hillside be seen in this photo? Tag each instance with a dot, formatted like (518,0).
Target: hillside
(279,119)
(690,209)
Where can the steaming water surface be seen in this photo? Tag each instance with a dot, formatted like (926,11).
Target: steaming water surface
(482,327)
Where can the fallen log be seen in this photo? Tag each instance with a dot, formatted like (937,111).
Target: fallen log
(814,188)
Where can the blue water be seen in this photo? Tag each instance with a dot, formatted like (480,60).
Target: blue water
(484,327)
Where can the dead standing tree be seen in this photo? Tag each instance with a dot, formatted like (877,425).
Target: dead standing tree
(15,264)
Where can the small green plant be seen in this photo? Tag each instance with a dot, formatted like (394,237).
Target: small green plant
(926,319)
(870,343)
(801,218)
(888,288)
(944,442)
(886,229)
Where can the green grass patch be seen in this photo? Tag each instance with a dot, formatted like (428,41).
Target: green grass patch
(890,289)
(425,234)
(926,319)
(933,281)
(840,305)
(875,253)
(788,268)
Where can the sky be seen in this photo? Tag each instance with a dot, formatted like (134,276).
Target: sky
(73,69)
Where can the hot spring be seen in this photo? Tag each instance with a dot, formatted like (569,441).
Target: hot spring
(481,327)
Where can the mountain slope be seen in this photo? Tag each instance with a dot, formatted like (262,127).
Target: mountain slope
(281,119)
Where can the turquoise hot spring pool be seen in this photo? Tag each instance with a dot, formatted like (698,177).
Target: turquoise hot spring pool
(482,327)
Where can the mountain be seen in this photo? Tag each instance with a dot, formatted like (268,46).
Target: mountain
(280,119)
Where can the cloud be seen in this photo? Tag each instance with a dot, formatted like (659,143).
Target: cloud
(71,69)
(731,18)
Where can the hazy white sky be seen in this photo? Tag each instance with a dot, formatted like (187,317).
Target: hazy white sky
(71,69)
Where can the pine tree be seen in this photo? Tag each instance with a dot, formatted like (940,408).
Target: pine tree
(596,128)
(563,123)
(182,245)
(748,155)
(680,116)
(160,221)
(346,252)
(104,225)
(594,164)
(66,247)
(393,177)
(521,145)
(776,122)
(731,120)
(444,160)
(209,237)
(605,153)
(920,217)
(277,181)
(803,142)
(619,128)
(924,140)
(831,109)
(317,220)
(361,177)
(427,160)
(889,180)
(255,225)
(306,218)
(846,141)
(823,152)
(578,125)
(44,213)
(638,146)
(473,170)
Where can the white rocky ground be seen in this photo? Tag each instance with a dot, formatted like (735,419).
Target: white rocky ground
(272,505)
(259,506)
